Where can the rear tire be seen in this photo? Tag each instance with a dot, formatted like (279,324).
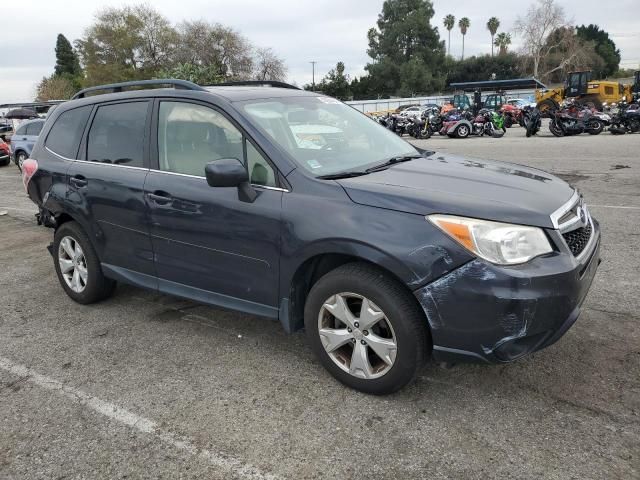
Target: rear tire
(462,131)
(20,158)
(78,266)
(393,325)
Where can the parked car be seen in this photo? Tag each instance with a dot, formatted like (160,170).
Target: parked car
(415,111)
(24,139)
(430,106)
(520,102)
(6,131)
(404,107)
(385,254)
(5,153)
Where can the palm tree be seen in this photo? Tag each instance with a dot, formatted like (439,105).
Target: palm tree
(449,22)
(502,41)
(492,25)
(464,25)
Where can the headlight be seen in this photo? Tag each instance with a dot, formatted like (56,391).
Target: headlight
(499,243)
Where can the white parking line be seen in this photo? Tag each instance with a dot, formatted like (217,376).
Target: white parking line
(228,465)
(25,210)
(614,206)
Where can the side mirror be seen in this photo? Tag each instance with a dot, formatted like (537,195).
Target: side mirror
(226,172)
(230,172)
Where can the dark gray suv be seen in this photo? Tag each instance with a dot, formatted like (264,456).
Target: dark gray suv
(293,206)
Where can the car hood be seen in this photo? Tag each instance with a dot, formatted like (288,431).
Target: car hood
(454,185)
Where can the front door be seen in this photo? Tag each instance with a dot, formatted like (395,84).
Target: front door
(209,244)
(106,185)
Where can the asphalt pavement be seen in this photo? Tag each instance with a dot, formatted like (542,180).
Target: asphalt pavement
(151,386)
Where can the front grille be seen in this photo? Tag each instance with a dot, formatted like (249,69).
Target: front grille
(578,239)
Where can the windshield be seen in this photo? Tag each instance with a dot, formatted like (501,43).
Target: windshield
(325,136)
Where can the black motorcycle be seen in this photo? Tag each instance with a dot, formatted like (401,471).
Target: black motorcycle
(627,120)
(395,123)
(531,120)
(574,122)
(429,123)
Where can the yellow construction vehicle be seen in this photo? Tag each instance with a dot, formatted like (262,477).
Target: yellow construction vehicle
(582,89)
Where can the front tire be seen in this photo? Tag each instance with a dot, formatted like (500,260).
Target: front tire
(595,127)
(78,266)
(366,329)
(555,129)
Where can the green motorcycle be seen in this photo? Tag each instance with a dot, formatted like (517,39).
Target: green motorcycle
(488,122)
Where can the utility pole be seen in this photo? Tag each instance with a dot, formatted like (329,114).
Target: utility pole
(313,76)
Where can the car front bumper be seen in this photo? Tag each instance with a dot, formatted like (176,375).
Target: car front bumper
(487,313)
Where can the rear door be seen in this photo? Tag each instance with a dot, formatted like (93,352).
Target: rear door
(106,184)
(208,242)
(32,133)
(19,139)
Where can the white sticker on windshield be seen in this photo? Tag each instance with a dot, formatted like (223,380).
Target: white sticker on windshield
(314,164)
(329,100)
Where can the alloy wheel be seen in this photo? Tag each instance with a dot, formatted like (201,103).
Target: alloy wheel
(21,158)
(357,335)
(73,264)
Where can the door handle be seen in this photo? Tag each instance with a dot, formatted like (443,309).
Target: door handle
(161,198)
(78,181)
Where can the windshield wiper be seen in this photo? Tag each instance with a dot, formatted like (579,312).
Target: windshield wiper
(339,175)
(392,161)
(376,168)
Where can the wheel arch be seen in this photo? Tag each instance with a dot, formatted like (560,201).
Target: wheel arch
(297,284)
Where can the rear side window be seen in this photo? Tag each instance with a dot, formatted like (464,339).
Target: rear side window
(117,134)
(22,130)
(34,128)
(64,137)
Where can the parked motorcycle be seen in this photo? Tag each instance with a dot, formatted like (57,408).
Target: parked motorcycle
(574,121)
(488,122)
(627,120)
(395,123)
(512,115)
(429,123)
(457,124)
(531,120)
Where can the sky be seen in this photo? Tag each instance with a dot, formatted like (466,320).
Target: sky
(299,31)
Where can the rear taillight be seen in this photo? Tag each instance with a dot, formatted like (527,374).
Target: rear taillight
(29,168)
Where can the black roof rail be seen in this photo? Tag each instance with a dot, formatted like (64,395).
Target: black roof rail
(256,83)
(118,87)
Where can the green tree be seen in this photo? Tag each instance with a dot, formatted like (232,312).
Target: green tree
(336,83)
(475,69)
(127,43)
(200,74)
(464,25)
(67,62)
(55,87)
(449,22)
(492,25)
(502,41)
(604,47)
(404,35)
